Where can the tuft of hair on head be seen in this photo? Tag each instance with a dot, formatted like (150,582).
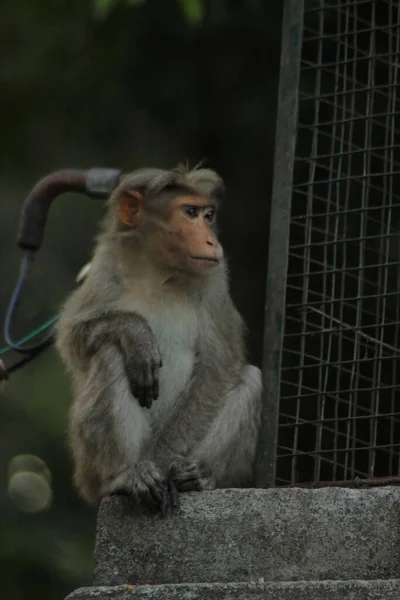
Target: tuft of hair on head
(200,180)
(183,168)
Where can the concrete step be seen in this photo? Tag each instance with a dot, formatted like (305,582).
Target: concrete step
(252,535)
(302,590)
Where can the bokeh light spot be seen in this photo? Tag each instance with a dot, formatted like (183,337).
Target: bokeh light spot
(29,483)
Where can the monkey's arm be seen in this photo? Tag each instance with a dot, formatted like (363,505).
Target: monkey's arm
(131,336)
(221,453)
(218,371)
(107,434)
(228,449)
(108,429)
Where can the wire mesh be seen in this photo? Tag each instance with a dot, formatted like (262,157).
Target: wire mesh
(340,385)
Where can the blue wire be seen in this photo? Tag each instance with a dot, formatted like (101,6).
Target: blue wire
(30,335)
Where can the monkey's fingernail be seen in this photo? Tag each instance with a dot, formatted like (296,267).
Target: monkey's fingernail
(149,400)
(163,504)
(153,498)
(174,494)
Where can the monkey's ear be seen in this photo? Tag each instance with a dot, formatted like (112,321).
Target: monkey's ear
(129,205)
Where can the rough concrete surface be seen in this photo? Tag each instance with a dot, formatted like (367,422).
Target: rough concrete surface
(320,590)
(251,536)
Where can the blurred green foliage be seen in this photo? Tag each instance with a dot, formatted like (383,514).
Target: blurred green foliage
(120,84)
(192,9)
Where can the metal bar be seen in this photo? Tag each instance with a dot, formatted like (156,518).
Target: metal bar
(339,381)
(279,240)
(354,483)
(334,37)
(335,419)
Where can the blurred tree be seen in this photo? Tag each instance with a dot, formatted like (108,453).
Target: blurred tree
(192,9)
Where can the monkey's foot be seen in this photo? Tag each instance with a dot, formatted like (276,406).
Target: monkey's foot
(151,488)
(148,485)
(170,498)
(190,476)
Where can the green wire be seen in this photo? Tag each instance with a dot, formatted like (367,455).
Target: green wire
(31,335)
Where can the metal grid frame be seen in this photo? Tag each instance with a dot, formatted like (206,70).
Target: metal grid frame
(332,388)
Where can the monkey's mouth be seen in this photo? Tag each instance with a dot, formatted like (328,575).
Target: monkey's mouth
(206,258)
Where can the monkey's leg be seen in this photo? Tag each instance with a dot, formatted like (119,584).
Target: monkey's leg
(108,430)
(225,456)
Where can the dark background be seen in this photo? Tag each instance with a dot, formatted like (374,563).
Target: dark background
(145,83)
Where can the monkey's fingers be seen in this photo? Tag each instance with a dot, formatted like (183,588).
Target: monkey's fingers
(146,386)
(143,396)
(151,380)
(182,470)
(155,390)
(173,494)
(190,485)
(132,379)
(164,504)
(148,382)
(148,484)
(134,389)
(190,476)
(152,498)
(170,498)
(139,387)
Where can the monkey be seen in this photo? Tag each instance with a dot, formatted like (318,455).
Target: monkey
(164,401)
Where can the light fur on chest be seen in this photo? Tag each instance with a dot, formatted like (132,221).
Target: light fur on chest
(175,325)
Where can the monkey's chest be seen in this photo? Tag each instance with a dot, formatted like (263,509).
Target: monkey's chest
(175,328)
(176,338)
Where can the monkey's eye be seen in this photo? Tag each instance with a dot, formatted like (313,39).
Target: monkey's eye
(209,215)
(192,211)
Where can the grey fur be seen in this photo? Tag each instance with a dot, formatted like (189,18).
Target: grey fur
(135,426)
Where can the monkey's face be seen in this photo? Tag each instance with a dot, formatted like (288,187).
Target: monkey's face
(185,238)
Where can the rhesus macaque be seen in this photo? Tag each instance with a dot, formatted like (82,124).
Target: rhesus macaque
(163,399)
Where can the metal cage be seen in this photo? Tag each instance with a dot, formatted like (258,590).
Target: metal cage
(332,338)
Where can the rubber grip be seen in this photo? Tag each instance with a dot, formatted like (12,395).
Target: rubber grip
(97,183)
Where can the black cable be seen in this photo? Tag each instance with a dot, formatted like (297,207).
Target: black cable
(21,362)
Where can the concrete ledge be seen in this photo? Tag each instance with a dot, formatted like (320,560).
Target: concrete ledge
(321,590)
(252,535)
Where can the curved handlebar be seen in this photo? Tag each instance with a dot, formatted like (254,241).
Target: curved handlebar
(98,183)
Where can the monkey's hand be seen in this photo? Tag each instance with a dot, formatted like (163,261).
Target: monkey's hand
(133,337)
(142,359)
(190,476)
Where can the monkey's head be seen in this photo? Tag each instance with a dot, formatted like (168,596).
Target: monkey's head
(172,214)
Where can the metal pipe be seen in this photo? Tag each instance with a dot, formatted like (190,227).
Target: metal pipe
(279,230)
(97,183)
